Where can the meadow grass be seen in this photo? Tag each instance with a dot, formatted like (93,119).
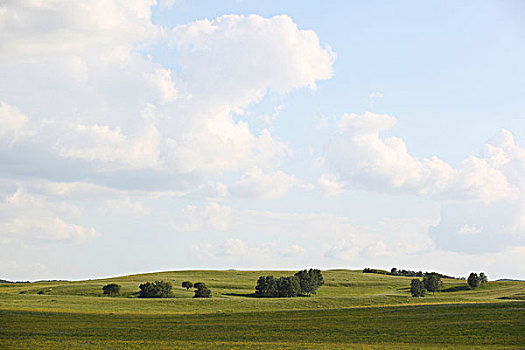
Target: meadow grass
(352,310)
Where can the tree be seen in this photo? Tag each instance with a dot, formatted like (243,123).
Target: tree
(111,289)
(187,285)
(393,271)
(483,278)
(417,289)
(432,282)
(157,289)
(309,281)
(266,287)
(288,286)
(202,291)
(473,280)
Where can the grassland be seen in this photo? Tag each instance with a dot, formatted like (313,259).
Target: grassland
(352,310)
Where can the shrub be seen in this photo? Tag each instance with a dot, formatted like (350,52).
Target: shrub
(111,289)
(202,291)
(187,285)
(483,278)
(199,284)
(157,289)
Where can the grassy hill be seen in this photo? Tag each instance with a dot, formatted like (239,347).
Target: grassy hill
(352,310)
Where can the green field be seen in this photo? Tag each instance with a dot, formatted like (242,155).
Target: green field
(352,310)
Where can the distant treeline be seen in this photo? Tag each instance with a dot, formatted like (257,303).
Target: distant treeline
(407,273)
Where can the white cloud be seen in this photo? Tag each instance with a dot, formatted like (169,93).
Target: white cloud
(362,157)
(374,95)
(32,29)
(162,80)
(123,207)
(13,123)
(31,219)
(95,96)
(329,186)
(483,200)
(212,217)
(469,230)
(255,183)
(237,59)
(343,250)
(292,251)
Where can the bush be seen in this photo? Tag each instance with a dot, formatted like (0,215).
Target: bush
(199,284)
(111,289)
(202,291)
(187,285)
(157,289)
(417,289)
(483,278)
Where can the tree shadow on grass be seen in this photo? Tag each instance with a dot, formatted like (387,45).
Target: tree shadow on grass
(247,295)
(456,289)
(253,295)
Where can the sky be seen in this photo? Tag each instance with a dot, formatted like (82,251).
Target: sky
(142,136)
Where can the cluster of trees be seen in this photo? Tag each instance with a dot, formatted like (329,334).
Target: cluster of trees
(431,283)
(157,289)
(474,280)
(406,273)
(304,283)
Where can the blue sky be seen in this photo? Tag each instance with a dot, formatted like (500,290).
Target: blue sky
(137,136)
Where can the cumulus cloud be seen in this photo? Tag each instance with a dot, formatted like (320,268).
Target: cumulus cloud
(292,251)
(482,201)
(13,124)
(329,186)
(255,183)
(268,54)
(95,96)
(31,219)
(362,157)
(212,217)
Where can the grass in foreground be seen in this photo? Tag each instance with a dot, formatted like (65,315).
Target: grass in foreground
(426,326)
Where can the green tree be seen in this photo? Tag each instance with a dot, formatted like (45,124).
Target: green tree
(202,291)
(473,280)
(288,286)
(187,285)
(157,289)
(309,281)
(432,282)
(417,288)
(266,287)
(483,278)
(111,289)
